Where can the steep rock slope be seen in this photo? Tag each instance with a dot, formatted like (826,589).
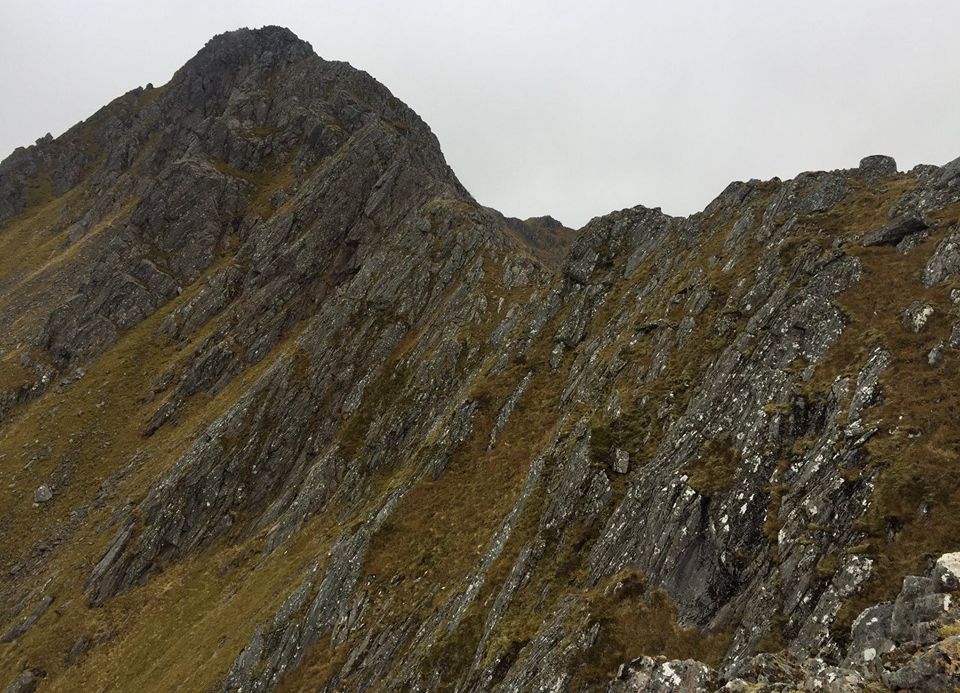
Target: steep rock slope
(284,407)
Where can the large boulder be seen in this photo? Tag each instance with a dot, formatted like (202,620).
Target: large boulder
(877,166)
(661,675)
(935,669)
(895,231)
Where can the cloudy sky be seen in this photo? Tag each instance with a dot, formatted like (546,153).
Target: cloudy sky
(565,108)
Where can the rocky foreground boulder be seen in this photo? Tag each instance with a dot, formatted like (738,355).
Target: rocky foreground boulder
(911,643)
(283,407)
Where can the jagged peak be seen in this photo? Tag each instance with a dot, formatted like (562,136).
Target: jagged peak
(230,53)
(250,43)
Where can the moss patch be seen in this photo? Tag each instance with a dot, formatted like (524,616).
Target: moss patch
(713,471)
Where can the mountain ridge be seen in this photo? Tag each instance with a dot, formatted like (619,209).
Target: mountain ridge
(308,416)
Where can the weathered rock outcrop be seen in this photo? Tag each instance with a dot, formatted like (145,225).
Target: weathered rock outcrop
(907,644)
(308,416)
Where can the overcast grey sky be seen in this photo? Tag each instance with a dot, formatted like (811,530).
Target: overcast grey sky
(565,108)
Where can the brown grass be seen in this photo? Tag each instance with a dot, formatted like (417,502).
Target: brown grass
(636,620)
(713,471)
(92,429)
(915,455)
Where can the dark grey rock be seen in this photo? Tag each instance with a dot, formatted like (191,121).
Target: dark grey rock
(621,461)
(894,232)
(26,682)
(935,355)
(954,339)
(877,166)
(949,172)
(912,240)
(27,623)
(915,316)
(504,416)
(827,189)
(945,261)
(933,670)
(80,647)
(42,494)
(870,635)
(664,676)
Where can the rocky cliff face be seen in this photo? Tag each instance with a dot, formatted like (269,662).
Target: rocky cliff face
(282,407)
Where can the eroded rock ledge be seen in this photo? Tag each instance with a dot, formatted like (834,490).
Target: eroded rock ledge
(909,644)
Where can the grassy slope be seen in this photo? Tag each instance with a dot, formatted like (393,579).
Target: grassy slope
(185,626)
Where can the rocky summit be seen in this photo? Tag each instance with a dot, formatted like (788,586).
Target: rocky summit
(282,407)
